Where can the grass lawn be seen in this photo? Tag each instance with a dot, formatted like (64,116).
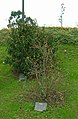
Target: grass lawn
(12,106)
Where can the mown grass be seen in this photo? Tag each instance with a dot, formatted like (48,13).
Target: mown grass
(12,104)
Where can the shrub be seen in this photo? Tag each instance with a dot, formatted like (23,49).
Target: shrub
(31,50)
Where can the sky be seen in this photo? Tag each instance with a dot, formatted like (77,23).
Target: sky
(46,12)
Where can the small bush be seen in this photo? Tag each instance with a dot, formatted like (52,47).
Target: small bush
(31,50)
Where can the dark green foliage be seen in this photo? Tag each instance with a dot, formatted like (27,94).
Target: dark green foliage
(16,18)
(31,50)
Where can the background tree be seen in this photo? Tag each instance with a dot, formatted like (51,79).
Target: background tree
(16,18)
(62,12)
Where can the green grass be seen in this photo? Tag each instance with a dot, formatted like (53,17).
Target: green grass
(13,106)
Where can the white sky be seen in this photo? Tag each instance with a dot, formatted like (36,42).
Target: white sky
(46,12)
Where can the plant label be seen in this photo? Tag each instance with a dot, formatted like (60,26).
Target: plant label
(40,106)
(22,77)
